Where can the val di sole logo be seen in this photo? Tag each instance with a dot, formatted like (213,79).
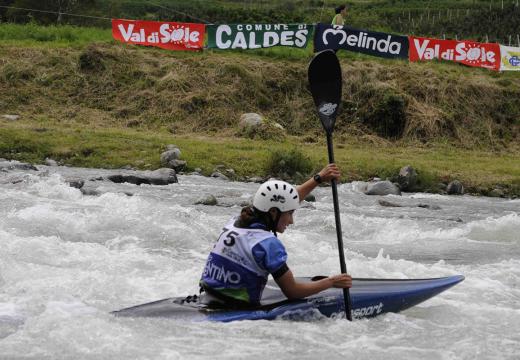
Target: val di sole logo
(328,109)
(278,198)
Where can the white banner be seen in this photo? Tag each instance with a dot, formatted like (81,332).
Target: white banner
(509,58)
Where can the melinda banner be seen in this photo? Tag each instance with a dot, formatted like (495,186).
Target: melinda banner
(256,36)
(510,58)
(486,55)
(166,35)
(367,42)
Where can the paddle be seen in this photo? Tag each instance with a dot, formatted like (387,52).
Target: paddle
(325,82)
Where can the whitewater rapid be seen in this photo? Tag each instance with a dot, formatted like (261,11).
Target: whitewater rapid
(68,259)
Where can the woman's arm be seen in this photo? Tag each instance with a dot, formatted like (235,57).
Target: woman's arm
(329,172)
(296,290)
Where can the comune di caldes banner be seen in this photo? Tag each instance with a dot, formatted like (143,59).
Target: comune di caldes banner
(256,36)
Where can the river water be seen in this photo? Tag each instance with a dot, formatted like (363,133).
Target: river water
(67,260)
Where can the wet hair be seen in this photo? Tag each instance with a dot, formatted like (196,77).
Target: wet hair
(340,8)
(250,215)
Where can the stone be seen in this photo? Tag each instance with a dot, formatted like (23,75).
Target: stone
(177,165)
(172,147)
(310,198)
(75,183)
(407,178)
(50,162)
(11,117)
(256,179)
(163,176)
(170,155)
(219,175)
(16,165)
(388,203)
(90,192)
(496,193)
(382,188)
(455,188)
(429,206)
(209,200)
(250,120)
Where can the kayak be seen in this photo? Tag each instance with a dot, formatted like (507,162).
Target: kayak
(369,297)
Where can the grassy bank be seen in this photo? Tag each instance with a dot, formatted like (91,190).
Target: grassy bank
(104,104)
(75,145)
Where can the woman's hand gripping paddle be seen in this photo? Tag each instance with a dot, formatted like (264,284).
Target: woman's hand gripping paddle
(325,82)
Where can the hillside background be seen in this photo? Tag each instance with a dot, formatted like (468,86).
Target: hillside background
(82,97)
(491,20)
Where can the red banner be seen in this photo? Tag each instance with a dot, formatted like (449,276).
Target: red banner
(486,55)
(166,35)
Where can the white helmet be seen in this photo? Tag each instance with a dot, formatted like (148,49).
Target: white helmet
(276,194)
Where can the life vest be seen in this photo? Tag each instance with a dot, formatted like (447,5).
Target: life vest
(241,261)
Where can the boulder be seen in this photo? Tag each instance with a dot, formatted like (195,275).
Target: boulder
(310,198)
(219,175)
(429,206)
(90,192)
(497,193)
(163,176)
(407,178)
(75,183)
(11,117)
(16,165)
(250,120)
(253,126)
(177,165)
(455,188)
(50,162)
(170,155)
(256,179)
(388,203)
(382,188)
(207,200)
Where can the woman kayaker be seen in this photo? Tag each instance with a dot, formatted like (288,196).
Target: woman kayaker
(248,249)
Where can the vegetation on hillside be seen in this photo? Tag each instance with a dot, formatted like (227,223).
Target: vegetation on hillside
(132,86)
(484,20)
(102,103)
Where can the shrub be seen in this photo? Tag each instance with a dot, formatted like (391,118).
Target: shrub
(287,164)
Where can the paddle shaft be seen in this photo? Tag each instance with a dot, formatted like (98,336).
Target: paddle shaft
(343,265)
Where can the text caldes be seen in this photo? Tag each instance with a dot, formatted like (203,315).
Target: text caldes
(251,37)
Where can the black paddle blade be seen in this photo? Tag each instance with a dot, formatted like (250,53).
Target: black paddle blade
(325,83)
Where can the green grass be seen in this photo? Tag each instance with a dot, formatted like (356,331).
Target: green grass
(63,35)
(76,145)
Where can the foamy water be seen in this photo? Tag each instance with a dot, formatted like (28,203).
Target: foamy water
(67,260)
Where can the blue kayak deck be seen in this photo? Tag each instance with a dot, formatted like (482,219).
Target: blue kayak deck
(370,297)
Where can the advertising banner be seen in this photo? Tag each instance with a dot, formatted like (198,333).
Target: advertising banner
(486,55)
(166,35)
(256,36)
(367,42)
(510,58)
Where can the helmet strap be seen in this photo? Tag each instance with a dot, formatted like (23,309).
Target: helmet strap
(275,221)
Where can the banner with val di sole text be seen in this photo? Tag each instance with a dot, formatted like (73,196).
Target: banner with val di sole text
(363,41)
(256,36)
(166,35)
(510,58)
(471,53)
